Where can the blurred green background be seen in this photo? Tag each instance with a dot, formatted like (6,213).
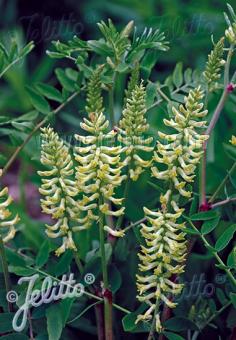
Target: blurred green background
(188,25)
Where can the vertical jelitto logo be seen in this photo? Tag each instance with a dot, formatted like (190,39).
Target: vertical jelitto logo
(51,290)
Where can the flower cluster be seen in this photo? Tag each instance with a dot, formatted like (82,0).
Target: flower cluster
(7,225)
(161,258)
(214,65)
(99,167)
(94,92)
(181,151)
(133,125)
(164,253)
(59,189)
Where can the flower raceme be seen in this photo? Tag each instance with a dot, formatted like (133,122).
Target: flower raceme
(164,253)
(7,225)
(181,151)
(59,189)
(214,64)
(99,170)
(133,125)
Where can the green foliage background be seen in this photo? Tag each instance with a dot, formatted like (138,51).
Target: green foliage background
(188,26)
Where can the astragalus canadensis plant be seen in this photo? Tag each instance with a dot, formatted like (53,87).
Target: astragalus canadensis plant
(125,198)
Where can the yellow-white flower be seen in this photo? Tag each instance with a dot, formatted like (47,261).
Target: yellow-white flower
(7,224)
(59,189)
(233,140)
(133,126)
(99,170)
(163,256)
(181,152)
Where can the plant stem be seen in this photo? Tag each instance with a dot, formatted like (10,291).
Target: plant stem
(122,309)
(98,308)
(222,183)
(207,244)
(212,124)
(208,132)
(212,317)
(163,95)
(227,65)
(78,262)
(226,201)
(107,293)
(10,65)
(135,224)
(37,127)
(111,100)
(152,330)
(5,271)
(126,191)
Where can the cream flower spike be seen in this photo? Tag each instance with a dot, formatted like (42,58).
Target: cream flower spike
(181,152)
(99,168)
(163,256)
(133,125)
(59,189)
(7,225)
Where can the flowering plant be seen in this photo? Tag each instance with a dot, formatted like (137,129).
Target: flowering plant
(139,255)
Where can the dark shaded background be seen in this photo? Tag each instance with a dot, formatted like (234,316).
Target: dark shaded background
(188,24)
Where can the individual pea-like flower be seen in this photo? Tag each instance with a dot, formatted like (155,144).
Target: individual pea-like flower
(163,256)
(7,224)
(181,151)
(233,140)
(214,64)
(133,126)
(59,189)
(230,34)
(99,169)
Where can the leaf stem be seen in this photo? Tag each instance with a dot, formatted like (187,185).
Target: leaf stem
(5,271)
(213,197)
(37,127)
(226,201)
(207,244)
(91,295)
(11,64)
(162,94)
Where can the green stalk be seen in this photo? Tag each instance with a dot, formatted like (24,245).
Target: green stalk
(151,334)
(78,262)
(5,271)
(111,101)
(212,124)
(126,191)
(207,244)
(107,298)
